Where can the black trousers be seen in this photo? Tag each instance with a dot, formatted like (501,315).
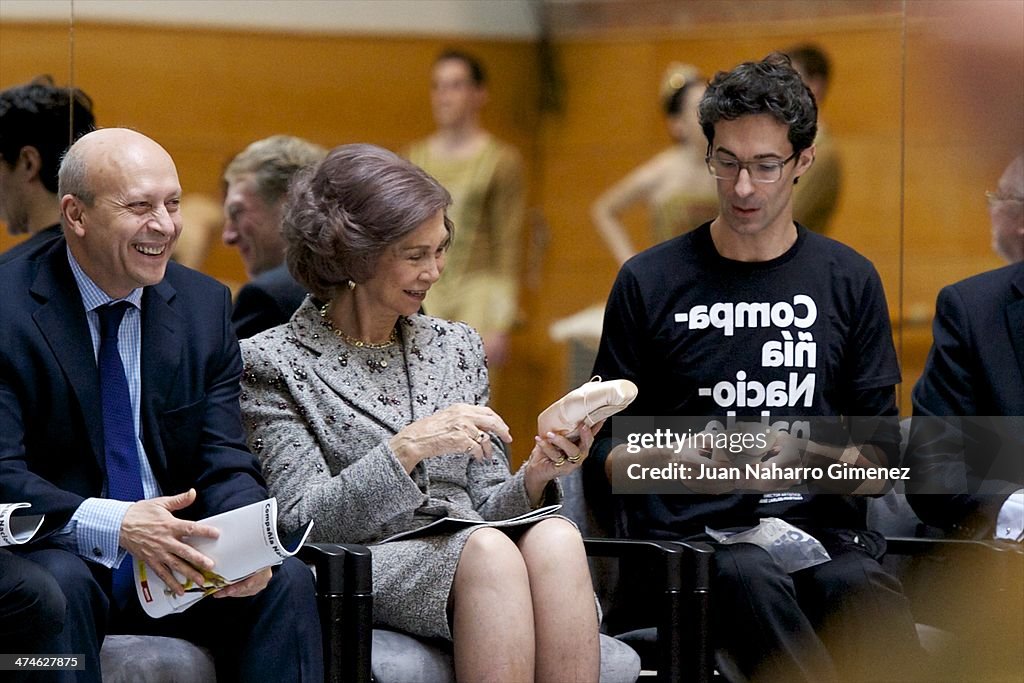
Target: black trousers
(272,636)
(846,619)
(32,605)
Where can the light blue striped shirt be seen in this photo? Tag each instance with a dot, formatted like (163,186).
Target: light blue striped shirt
(95,527)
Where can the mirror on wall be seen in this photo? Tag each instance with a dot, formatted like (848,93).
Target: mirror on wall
(963,123)
(924,108)
(30,48)
(613,58)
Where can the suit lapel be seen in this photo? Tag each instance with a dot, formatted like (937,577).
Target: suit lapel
(163,342)
(1015,318)
(339,368)
(428,370)
(61,320)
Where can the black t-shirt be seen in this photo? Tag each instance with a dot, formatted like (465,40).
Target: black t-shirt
(805,334)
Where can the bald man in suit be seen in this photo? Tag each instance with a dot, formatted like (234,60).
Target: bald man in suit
(179,368)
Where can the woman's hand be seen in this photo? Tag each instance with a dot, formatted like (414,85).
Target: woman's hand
(459,428)
(556,456)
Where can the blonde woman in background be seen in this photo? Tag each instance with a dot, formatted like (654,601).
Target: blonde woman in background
(485,178)
(675,184)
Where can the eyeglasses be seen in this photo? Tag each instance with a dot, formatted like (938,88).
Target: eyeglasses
(996,198)
(760,171)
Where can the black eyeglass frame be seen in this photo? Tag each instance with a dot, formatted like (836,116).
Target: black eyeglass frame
(745,165)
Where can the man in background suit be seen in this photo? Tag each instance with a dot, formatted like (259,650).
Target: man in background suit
(38,121)
(975,371)
(257,186)
(181,368)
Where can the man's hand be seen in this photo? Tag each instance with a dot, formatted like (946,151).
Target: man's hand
(248,586)
(709,475)
(706,475)
(852,457)
(153,535)
(785,455)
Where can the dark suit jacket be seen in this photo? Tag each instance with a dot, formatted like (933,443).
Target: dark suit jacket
(268,301)
(51,435)
(975,369)
(35,245)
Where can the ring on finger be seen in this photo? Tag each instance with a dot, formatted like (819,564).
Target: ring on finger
(481,437)
(575,458)
(560,461)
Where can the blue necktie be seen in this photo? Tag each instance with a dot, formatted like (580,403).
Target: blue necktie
(124,482)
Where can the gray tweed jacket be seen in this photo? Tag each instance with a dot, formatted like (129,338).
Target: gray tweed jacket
(319,414)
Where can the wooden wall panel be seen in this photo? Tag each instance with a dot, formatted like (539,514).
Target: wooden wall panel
(205,94)
(964,122)
(27,51)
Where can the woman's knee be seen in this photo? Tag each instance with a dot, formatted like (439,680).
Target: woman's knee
(489,555)
(555,531)
(553,549)
(555,537)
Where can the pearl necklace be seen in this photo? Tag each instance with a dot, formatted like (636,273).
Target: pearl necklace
(358,343)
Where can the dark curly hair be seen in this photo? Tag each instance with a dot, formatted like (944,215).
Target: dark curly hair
(343,213)
(39,114)
(771,86)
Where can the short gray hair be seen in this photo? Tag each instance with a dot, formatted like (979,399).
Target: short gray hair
(72,178)
(273,162)
(343,214)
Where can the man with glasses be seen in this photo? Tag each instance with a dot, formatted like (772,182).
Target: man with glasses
(966,452)
(754,316)
(1006,209)
(975,369)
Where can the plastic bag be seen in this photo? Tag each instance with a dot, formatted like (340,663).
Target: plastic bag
(792,548)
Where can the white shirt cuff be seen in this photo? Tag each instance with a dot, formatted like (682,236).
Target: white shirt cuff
(1010,522)
(97,530)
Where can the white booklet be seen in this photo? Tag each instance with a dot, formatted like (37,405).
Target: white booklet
(20,529)
(248,544)
(450,524)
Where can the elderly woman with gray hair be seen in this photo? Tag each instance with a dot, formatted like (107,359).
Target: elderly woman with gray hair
(371,419)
